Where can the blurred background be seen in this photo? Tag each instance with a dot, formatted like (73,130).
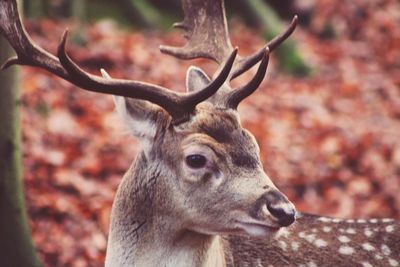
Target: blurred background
(327,117)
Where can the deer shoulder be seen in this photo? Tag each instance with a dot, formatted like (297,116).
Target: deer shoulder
(321,241)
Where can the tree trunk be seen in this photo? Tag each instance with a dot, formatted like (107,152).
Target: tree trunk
(34,8)
(16,245)
(78,10)
(142,13)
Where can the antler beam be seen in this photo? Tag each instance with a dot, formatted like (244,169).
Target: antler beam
(28,53)
(178,105)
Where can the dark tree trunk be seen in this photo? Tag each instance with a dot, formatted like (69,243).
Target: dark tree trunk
(16,246)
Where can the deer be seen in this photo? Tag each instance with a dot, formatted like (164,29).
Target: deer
(197,194)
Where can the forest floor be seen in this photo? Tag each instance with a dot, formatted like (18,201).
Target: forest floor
(329,141)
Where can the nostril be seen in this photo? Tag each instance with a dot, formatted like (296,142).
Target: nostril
(284,217)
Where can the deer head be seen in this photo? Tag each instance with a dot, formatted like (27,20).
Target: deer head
(215,175)
(211,167)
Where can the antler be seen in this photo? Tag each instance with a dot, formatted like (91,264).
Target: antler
(234,97)
(205,27)
(178,105)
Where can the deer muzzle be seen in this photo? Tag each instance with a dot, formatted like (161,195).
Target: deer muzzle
(274,205)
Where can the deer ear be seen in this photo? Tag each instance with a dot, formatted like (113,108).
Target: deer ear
(196,79)
(139,116)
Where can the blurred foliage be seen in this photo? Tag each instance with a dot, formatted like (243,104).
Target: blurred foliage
(330,141)
(157,14)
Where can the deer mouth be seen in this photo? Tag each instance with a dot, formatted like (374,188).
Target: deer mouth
(257,229)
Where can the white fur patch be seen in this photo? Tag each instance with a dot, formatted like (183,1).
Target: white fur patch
(393,262)
(368,247)
(389,228)
(295,245)
(385,250)
(283,232)
(310,238)
(302,234)
(346,250)
(324,219)
(350,231)
(368,232)
(344,239)
(320,243)
(282,245)
(327,229)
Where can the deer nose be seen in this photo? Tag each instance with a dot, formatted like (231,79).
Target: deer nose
(285,216)
(275,204)
(280,207)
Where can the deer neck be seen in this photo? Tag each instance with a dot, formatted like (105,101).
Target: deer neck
(142,236)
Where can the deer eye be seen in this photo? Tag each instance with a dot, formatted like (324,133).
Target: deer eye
(196,161)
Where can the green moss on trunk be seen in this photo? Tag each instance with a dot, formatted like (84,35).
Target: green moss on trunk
(289,57)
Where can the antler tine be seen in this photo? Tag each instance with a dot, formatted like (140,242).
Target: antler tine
(206,30)
(234,97)
(246,63)
(178,105)
(28,53)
